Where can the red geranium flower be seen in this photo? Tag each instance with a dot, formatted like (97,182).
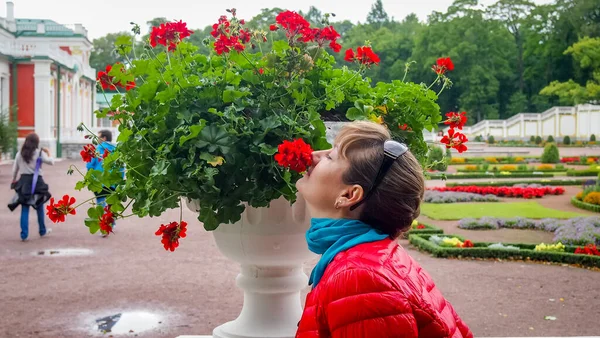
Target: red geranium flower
(442,66)
(108,82)
(169,34)
(296,155)
(293,23)
(455,140)
(456,120)
(88,152)
(57,212)
(420,226)
(364,55)
(467,244)
(106,221)
(349,55)
(273,27)
(171,233)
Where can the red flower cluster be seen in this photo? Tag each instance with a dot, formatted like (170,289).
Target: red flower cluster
(108,81)
(228,40)
(296,155)
(364,55)
(57,212)
(576,159)
(455,140)
(527,193)
(169,34)
(467,244)
(294,24)
(421,226)
(171,233)
(442,66)
(455,120)
(88,152)
(404,127)
(106,221)
(589,249)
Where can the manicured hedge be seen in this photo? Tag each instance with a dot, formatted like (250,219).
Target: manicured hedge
(514,171)
(481,250)
(505,183)
(587,172)
(465,176)
(586,206)
(429,230)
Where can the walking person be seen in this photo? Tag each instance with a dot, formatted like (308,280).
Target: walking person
(31,189)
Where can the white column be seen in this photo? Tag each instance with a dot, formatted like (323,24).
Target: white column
(43,113)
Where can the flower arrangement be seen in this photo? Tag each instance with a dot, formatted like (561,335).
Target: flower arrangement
(236,128)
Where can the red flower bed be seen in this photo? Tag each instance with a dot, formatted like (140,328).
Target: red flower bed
(575,159)
(589,249)
(506,191)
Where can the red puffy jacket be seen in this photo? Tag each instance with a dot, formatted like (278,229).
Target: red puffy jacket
(377,290)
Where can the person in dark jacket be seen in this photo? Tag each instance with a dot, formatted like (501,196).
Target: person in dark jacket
(362,195)
(24,167)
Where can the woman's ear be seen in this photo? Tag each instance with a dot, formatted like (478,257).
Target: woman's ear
(350,196)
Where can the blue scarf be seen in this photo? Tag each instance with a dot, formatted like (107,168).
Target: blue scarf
(328,237)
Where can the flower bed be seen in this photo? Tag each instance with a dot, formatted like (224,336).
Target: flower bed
(574,231)
(488,175)
(422,229)
(586,206)
(522,192)
(586,172)
(504,251)
(517,183)
(434,196)
(581,160)
(494,160)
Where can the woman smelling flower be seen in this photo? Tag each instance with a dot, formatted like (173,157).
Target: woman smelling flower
(362,195)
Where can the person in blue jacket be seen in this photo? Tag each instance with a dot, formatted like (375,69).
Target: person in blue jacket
(106,145)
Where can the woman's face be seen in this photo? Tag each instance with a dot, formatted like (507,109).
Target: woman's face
(322,186)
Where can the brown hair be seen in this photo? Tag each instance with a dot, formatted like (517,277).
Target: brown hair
(396,202)
(32,142)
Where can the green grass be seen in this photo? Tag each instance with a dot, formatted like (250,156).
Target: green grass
(457,211)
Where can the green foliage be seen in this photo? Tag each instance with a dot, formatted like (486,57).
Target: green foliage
(532,139)
(478,138)
(592,138)
(567,140)
(572,182)
(8,132)
(550,154)
(491,139)
(436,159)
(538,140)
(550,139)
(585,206)
(460,176)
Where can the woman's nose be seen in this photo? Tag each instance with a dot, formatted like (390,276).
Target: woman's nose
(318,155)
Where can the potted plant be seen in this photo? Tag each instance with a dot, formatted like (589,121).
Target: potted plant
(231,133)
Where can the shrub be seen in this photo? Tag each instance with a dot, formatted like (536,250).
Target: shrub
(8,133)
(522,167)
(592,198)
(519,160)
(590,161)
(491,139)
(485,166)
(550,139)
(538,140)
(586,206)
(579,196)
(592,138)
(458,160)
(559,166)
(436,154)
(478,138)
(448,155)
(532,139)
(472,168)
(550,154)
(508,168)
(545,167)
(566,140)
(491,160)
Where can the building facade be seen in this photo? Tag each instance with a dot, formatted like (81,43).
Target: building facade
(46,82)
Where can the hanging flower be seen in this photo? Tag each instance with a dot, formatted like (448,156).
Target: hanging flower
(296,155)
(169,34)
(57,211)
(364,55)
(442,66)
(171,233)
(106,81)
(456,120)
(88,152)
(106,221)
(455,140)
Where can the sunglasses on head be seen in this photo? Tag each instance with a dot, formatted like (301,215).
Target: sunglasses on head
(392,150)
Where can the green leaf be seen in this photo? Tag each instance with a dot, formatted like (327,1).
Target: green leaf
(117,207)
(231,95)
(160,168)
(194,131)
(270,123)
(209,218)
(116,102)
(93,224)
(124,134)
(123,44)
(287,176)
(215,138)
(280,46)
(267,149)
(355,114)
(251,77)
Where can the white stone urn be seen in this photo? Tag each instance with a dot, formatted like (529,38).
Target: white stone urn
(270,246)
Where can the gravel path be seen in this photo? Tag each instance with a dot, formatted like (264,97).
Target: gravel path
(193,289)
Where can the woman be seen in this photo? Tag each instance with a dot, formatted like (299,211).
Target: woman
(25,167)
(362,195)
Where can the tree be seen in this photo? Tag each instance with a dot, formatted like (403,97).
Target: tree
(377,16)
(103,52)
(586,54)
(8,133)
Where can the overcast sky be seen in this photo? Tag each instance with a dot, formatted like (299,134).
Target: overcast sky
(106,16)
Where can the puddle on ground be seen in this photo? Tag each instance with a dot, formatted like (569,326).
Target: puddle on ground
(64,252)
(128,322)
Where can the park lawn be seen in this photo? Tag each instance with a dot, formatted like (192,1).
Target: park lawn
(456,211)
